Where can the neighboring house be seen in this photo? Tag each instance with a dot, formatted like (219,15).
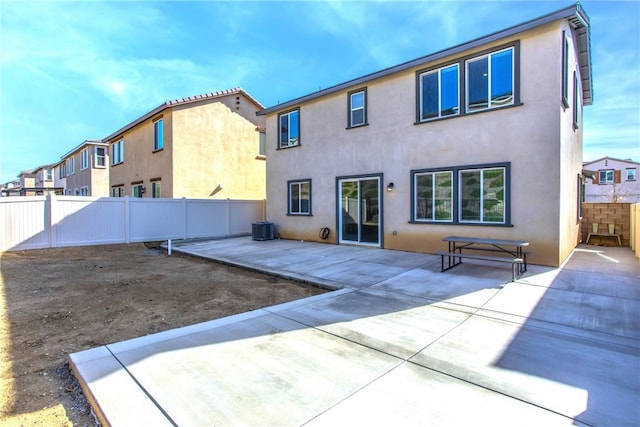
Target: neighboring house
(614,180)
(85,169)
(59,177)
(483,139)
(44,181)
(206,146)
(11,188)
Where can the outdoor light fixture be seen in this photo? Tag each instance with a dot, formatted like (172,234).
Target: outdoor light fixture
(390,186)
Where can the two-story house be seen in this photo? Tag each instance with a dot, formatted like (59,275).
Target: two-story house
(85,169)
(44,180)
(482,139)
(205,146)
(614,180)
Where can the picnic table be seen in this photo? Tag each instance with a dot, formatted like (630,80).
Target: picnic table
(508,251)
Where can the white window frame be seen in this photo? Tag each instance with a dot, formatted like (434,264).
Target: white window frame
(156,189)
(606,180)
(158,135)
(137,190)
(102,156)
(117,152)
(289,142)
(84,191)
(434,195)
(630,174)
(421,93)
(290,207)
(488,56)
(353,109)
(84,159)
(117,191)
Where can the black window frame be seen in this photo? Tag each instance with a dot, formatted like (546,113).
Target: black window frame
(577,105)
(455,197)
(365,119)
(288,113)
(289,200)
(462,82)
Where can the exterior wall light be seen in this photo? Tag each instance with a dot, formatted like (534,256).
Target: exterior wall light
(390,187)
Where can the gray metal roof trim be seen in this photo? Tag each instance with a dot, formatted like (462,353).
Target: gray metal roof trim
(183,101)
(574,10)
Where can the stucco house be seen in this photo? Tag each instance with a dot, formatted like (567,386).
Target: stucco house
(614,180)
(205,146)
(483,139)
(85,169)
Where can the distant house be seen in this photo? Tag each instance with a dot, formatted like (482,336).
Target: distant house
(614,180)
(44,180)
(206,146)
(482,139)
(85,169)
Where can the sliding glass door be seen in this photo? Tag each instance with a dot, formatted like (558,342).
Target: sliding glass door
(359,210)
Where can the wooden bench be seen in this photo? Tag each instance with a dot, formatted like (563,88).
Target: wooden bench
(595,231)
(515,262)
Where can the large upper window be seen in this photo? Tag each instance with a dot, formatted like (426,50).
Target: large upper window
(84,159)
(117,152)
(100,156)
(490,80)
(299,197)
(565,70)
(357,108)
(434,195)
(577,105)
(289,129)
(158,141)
(605,176)
(71,166)
(462,195)
(439,93)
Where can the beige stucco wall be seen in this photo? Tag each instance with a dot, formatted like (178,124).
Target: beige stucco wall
(216,152)
(96,179)
(528,136)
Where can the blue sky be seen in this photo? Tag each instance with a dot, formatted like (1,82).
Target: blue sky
(71,71)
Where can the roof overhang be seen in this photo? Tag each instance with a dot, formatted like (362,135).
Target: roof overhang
(574,14)
(97,142)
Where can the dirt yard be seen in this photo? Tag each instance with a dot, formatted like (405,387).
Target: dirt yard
(59,301)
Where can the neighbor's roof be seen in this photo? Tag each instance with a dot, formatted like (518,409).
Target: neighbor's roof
(183,101)
(98,142)
(609,158)
(574,14)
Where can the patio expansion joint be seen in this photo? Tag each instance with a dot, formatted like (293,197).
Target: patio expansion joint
(142,388)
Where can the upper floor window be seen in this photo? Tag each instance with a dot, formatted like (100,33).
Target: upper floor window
(71,166)
(439,93)
(157,135)
(631,174)
(48,174)
(577,105)
(100,156)
(565,70)
(605,176)
(117,152)
(84,159)
(300,197)
(289,129)
(357,108)
(490,80)
(62,170)
(262,144)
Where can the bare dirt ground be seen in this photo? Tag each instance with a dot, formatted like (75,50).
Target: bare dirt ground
(59,301)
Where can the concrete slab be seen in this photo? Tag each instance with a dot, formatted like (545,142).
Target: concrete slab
(401,343)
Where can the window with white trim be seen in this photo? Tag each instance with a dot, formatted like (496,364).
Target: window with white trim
(100,157)
(289,129)
(565,70)
(155,189)
(475,194)
(158,140)
(631,174)
(117,152)
(577,105)
(84,191)
(48,173)
(490,80)
(439,93)
(71,166)
(299,194)
(137,190)
(84,159)
(357,108)
(117,191)
(605,176)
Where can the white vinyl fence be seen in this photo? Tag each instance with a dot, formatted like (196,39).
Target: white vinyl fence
(56,221)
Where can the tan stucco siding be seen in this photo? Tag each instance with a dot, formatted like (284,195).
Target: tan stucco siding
(141,163)
(527,136)
(215,154)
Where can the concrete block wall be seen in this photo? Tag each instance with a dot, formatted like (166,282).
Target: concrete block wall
(606,213)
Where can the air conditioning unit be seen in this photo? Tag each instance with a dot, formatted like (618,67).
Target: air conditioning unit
(262,230)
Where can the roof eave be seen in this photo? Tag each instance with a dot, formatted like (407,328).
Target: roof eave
(574,11)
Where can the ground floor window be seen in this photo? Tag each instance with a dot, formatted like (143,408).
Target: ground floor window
(155,189)
(84,191)
(462,194)
(137,190)
(299,195)
(117,191)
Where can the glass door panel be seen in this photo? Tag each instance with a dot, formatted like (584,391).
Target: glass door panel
(359,211)
(350,215)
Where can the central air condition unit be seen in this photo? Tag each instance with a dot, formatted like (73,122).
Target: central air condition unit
(262,230)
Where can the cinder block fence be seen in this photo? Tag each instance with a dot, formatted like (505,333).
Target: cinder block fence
(607,213)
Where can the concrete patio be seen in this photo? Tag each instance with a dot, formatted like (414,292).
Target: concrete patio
(399,343)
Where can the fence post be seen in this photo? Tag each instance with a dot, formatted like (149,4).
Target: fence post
(184,218)
(48,222)
(127,219)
